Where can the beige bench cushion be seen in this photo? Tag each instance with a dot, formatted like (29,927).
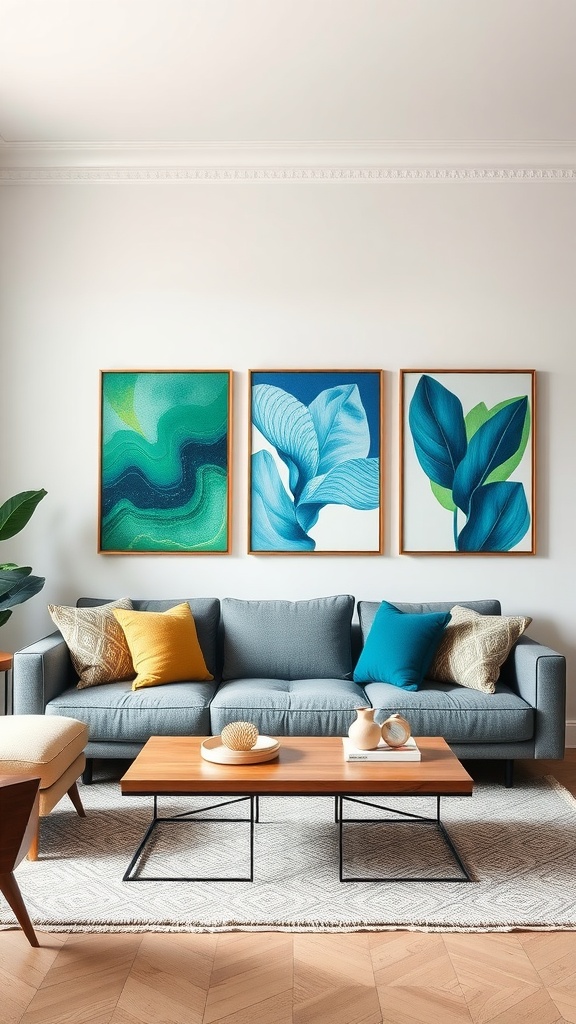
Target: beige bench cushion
(42,745)
(50,797)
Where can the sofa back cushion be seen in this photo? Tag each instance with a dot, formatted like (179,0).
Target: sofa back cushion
(205,612)
(367,610)
(288,639)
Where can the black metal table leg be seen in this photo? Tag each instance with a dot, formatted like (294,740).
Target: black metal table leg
(190,817)
(403,817)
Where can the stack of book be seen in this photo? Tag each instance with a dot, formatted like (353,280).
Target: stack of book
(407,752)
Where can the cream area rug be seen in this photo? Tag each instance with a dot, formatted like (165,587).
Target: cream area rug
(518,844)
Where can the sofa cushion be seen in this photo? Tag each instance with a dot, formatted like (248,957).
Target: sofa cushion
(284,707)
(400,646)
(206,613)
(288,639)
(367,609)
(475,646)
(115,713)
(97,645)
(458,714)
(164,646)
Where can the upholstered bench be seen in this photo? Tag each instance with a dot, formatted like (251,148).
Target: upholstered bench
(50,748)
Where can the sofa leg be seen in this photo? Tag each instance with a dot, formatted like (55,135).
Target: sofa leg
(509,773)
(87,773)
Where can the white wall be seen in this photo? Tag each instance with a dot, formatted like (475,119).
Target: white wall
(95,276)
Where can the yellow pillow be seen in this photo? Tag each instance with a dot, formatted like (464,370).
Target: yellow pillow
(164,646)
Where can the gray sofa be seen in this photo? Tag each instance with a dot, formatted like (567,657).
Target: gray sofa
(287,667)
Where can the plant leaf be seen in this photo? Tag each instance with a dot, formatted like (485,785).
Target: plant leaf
(273,521)
(4,616)
(507,468)
(497,440)
(499,518)
(341,426)
(436,421)
(443,495)
(22,590)
(9,577)
(355,483)
(476,417)
(287,424)
(15,513)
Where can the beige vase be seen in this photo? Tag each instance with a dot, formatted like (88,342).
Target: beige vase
(365,733)
(396,731)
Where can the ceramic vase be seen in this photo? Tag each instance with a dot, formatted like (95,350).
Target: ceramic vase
(395,731)
(365,733)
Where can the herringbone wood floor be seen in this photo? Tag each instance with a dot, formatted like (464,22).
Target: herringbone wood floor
(277,978)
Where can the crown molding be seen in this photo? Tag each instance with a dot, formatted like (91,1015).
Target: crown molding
(288,162)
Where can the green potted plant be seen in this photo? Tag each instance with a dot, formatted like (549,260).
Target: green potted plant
(16,583)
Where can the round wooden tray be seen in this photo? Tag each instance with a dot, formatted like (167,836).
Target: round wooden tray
(265,749)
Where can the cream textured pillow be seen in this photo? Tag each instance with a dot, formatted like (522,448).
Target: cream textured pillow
(474,646)
(96,642)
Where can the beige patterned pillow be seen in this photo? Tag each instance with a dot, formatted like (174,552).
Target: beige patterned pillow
(474,647)
(96,642)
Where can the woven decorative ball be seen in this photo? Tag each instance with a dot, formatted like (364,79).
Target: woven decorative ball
(239,735)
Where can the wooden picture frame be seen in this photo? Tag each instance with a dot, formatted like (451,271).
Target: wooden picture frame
(467,462)
(315,454)
(165,462)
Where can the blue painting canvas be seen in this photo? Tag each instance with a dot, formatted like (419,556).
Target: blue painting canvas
(315,461)
(164,461)
(468,461)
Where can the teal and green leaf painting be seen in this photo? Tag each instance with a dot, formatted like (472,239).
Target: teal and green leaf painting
(315,460)
(469,459)
(164,461)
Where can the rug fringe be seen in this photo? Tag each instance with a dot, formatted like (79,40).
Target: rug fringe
(300,929)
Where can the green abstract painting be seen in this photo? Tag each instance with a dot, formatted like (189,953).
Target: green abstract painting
(165,461)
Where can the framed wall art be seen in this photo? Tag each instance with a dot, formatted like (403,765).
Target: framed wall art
(315,461)
(467,462)
(165,461)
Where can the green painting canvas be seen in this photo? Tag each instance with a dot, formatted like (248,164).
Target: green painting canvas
(164,461)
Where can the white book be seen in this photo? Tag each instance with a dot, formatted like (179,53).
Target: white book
(407,752)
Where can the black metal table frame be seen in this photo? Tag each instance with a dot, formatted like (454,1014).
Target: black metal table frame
(191,817)
(400,817)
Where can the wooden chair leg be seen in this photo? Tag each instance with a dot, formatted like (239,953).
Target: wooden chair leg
(33,851)
(76,799)
(9,887)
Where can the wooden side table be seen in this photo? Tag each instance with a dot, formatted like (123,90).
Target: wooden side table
(6,661)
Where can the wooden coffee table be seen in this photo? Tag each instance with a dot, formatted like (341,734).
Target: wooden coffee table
(305,766)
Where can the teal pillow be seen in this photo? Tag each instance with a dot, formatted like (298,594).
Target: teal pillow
(400,646)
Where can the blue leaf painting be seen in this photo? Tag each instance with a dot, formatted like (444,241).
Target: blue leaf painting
(327,444)
(436,421)
(288,425)
(499,518)
(468,460)
(355,483)
(493,443)
(274,525)
(341,426)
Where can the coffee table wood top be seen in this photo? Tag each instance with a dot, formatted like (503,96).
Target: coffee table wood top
(305,765)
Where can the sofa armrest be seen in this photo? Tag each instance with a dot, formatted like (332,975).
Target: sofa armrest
(41,672)
(538,674)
